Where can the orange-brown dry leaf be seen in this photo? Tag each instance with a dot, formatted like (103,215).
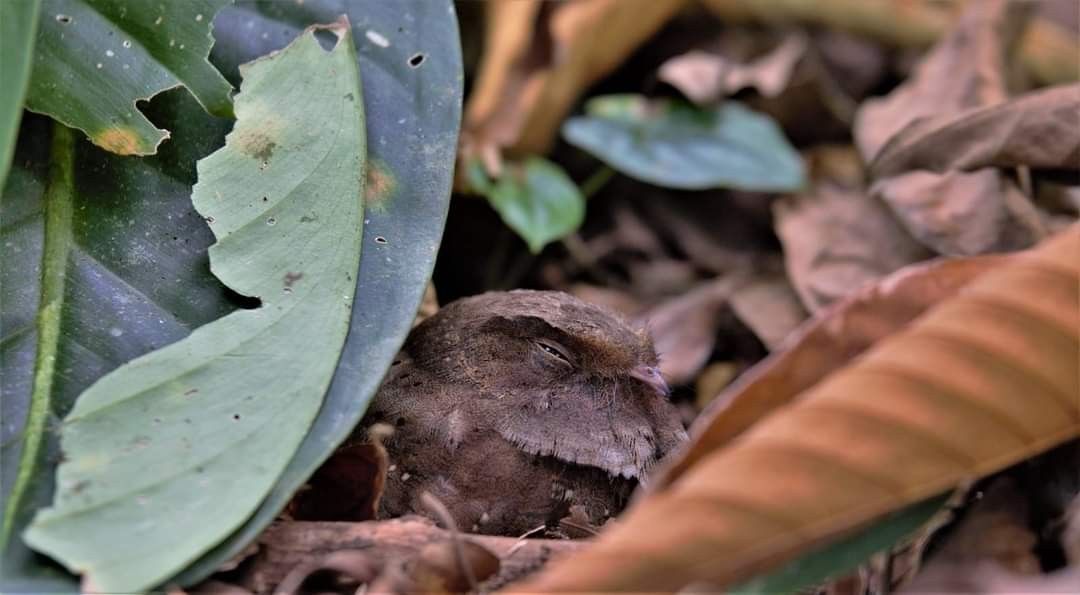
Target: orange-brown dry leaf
(539,58)
(981,381)
(828,343)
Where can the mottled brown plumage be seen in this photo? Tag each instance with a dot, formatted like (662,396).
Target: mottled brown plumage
(511,407)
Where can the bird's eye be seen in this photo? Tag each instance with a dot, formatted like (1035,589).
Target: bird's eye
(555,351)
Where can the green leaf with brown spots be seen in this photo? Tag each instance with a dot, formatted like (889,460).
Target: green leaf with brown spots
(171,452)
(96,58)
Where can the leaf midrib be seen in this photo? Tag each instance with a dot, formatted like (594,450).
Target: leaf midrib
(57,246)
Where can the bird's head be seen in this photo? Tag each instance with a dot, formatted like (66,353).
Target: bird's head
(559,377)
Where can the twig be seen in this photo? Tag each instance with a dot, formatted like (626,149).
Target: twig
(439,509)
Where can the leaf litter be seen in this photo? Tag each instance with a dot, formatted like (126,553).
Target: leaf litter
(856,243)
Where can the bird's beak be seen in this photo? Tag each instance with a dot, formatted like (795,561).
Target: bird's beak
(651,375)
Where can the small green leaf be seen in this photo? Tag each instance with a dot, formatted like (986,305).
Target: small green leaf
(536,199)
(96,58)
(674,144)
(841,557)
(170,453)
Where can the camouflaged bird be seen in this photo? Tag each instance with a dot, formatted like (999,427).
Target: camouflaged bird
(512,407)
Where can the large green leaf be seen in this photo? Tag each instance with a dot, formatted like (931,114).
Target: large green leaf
(131,264)
(410,60)
(139,278)
(675,144)
(96,58)
(169,453)
(536,199)
(18,24)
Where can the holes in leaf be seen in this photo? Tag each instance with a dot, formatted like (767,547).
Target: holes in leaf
(416,60)
(327,39)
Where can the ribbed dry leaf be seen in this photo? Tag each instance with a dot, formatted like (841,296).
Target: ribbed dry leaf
(1028,130)
(540,57)
(981,381)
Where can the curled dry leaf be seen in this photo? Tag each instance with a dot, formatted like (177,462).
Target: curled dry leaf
(1024,131)
(965,69)
(706,78)
(954,213)
(837,240)
(981,381)
(540,57)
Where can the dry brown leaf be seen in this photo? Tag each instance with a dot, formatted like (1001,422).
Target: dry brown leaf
(1070,536)
(438,568)
(981,381)
(285,545)
(348,486)
(994,530)
(990,579)
(1039,129)
(836,241)
(712,380)
(825,344)
(706,78)
(966,69)
(768,305)
(538,59)
(684,329)
(963,214)
(355,565)
(954,213)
